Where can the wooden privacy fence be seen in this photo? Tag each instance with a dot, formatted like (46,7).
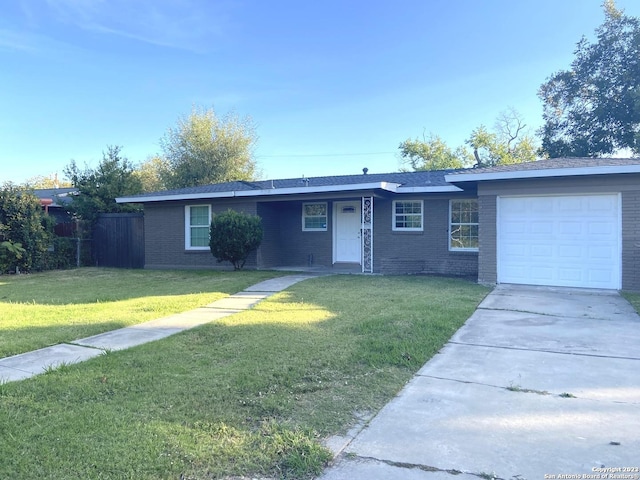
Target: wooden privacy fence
(118,240)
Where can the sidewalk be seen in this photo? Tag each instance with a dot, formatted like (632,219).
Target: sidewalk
(29,364)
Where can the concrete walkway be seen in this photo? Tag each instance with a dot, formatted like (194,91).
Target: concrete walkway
(33,363)
(540,382)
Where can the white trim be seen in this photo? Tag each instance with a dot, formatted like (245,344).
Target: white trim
(459,249)
(387,186)
(393,216)
(438,189)
(187,228)
(326,219)
(543,172)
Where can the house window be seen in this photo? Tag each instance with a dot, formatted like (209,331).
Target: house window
(314,217)
(463,225)
(197,224)
(407,215)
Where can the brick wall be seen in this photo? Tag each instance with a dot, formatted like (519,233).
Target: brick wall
(631,241)
(165,231)
(487,261)
(419,252)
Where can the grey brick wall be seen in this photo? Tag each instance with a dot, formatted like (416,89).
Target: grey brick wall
(487,261)
(285,244)
(164,236)
(419,252)
(631,241)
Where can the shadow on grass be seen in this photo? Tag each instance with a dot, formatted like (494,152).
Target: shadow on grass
(95,285)
(252,394)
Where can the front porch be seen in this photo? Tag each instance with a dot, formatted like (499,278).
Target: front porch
(332,235)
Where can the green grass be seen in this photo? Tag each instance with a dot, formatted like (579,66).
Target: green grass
(253,394)
(633,299)
(48,308)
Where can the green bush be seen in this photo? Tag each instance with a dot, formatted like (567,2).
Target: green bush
(233,236)
(10,254)
(61,255)
(23,222)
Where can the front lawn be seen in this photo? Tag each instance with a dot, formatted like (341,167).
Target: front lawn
(43,309)
(253,394)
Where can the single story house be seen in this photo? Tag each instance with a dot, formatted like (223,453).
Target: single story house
(561,222)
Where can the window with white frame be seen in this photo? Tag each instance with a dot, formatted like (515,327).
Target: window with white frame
(463,225)
(197,220)
(314,217)
(407,215)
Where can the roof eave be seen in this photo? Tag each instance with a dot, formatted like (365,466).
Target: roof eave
(387,186)
(542,173)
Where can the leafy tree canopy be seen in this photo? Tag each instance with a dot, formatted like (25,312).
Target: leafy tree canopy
(204,148)
(433,154)
(98,188)
(593,109)
(152,174)
(49,181)
(509,142)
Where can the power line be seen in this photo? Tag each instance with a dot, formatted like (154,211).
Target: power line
(324,155)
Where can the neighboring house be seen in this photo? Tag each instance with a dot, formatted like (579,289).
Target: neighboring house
(561,222)
(55,200)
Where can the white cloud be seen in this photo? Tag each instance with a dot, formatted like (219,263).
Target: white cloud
(194,25)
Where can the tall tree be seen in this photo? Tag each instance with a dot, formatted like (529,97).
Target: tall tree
(510,142)
(204,148)
(153,174)
(99,187)
(433,153)
(593,108)
(49,181)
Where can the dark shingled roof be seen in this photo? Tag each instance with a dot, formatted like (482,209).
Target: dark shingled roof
(60,196)
(552,163)
(406,179)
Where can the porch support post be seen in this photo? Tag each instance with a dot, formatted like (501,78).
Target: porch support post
(367,235)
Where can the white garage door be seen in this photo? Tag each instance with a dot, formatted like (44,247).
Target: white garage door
(571,240)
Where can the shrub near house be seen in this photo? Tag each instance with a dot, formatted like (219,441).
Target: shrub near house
(233,236)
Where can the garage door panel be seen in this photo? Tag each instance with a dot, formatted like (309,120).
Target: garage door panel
(570,228)
(543,251)
(541,227)
(541,274)
(569,252)
(573,275)
(603,253)
(602,204)
(569,205)
(560,240)
(601,228)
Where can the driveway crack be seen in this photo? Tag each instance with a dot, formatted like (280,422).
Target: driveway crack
(428,468)
(542,350)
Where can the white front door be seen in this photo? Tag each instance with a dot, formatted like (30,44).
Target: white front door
(346,238)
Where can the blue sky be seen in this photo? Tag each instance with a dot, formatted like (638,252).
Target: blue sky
(332,86)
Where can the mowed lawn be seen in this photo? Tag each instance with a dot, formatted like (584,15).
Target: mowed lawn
(48,308)
(252,395)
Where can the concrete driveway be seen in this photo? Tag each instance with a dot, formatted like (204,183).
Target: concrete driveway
(540,382)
